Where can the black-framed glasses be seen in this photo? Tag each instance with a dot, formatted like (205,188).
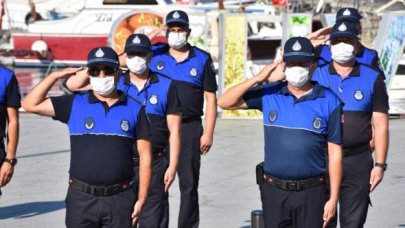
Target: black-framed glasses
(95,71)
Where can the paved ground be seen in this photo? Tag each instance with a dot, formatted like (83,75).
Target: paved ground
(228,193)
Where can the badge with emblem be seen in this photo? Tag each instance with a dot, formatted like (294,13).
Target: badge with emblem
(160,65)
(358,95)
(347,12)
(342,27)
(317,123)
(125,125)
(272,116)
(136,40)
(193,72)
(297,46)
(153,99)
(89,123)
(176,15)
(99,53)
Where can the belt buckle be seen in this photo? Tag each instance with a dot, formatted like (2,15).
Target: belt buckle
(292,185)
(99,191)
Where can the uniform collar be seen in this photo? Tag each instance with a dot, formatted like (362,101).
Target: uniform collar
(93,99)
(153,78)
(317,92)
(355,71)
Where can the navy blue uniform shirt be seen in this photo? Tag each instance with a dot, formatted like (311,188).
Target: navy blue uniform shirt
(101,138)
(363,92)
(192,77)
(296,131)
(10,96)
(160,98)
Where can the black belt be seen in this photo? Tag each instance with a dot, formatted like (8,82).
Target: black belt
(356,150)
(155,156)
(99,190)
(294,185)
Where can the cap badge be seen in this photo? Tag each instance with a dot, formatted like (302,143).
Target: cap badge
(342,27)
(136,40)
(153,99)
(176,15)
(296,46)
(99,53)
(347,12)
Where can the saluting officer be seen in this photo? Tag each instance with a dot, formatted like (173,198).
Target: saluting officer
(104,125)
(363,91)
(159,96)
(192,71)
(9,104)
(364,54)
(302,120)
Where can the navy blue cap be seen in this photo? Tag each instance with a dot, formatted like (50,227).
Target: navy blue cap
(177,17)
(103,56)
(298,49)
(348,14)
(138,43)
(344,29)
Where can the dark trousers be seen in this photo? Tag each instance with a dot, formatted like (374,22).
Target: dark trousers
(354,192)
(152,212)
(87,211)
(293,208)
(188,172)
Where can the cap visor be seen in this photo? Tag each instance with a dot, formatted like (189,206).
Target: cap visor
(136,48)
(343,34)
(298,58)
(104,63)
(180,23)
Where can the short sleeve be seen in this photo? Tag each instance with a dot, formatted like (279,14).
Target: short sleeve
(173,100)
(210,81)
(63,107)
(13,93)
(142,125)
(380,95)
(335,125)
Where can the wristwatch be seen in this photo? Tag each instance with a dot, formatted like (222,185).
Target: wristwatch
(381,165)
(12,161)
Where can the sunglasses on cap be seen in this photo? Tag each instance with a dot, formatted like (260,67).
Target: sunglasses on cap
(95,71)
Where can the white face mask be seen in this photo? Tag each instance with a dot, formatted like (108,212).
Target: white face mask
(296,75)
(177,40)
(102,86)
(137,64)
(342,52)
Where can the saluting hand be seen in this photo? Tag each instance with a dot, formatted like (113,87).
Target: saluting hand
(267,71)
(320,36)
(67,72)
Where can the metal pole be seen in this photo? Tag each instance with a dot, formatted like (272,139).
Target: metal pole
(257,219)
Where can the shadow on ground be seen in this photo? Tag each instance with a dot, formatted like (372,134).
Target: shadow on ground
(26,210)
